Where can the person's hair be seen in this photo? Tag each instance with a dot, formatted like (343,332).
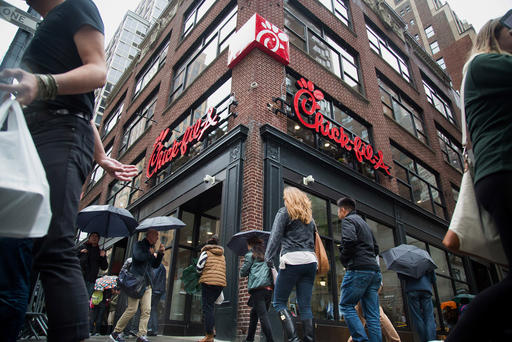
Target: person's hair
(347,203)
(94,233)
(213,240)
(258,249)
(487,38)
(297,204)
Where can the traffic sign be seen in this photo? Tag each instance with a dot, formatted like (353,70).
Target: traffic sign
(18,17)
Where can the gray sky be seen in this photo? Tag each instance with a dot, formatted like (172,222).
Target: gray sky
(476,12)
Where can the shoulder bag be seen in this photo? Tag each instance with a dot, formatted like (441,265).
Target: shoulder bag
(133,285)
(321,255)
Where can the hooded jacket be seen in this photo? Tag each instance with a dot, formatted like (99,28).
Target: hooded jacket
(258,272)
(143,261)
(214,271)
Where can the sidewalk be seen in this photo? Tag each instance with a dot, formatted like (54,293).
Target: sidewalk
(159,338)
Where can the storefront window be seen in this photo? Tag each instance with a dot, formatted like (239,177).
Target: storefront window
(319,207)
(439,257)
(186,233)
(178,293)
(321,301)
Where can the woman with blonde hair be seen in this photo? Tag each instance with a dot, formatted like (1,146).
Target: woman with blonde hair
(294,231)
(488,106)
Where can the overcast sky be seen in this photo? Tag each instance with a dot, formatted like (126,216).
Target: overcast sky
(476,12)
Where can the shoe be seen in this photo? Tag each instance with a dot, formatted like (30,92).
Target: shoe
(207,338)
(117,337)
(152,333)
(142,339)
(309,330)
(288,325)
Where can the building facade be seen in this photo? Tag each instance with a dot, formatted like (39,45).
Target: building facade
(360,107)
(438,29)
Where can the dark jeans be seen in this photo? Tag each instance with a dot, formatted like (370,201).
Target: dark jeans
(487,309)
(97,313)
(209,294)
(65,145)
(15,266)
(260,300)
(422,314)
(300,276)
(153,318)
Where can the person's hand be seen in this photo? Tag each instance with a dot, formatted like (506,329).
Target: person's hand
(121,171)
(161,249)
(83,250)
(102,253)
(25,90)
(152,250)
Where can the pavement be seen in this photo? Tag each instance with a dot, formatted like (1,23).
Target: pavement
(159,338)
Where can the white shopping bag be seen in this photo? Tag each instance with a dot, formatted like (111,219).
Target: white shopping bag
(24,193)
(220,298)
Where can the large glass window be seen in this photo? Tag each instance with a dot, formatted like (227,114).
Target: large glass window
(338,116)
(417,184)
(384,48)
(213,42)
(151,67)
(339,8)
(452,151)
(322,46)
(122,194)
(138,123)
(399,109)
(195,14)
(439,101)
(113,118)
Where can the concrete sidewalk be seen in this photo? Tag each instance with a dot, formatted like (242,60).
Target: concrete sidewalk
(160,338)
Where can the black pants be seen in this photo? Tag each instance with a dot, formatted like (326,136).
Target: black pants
(209,294)
(260,300)
(65,144)
(97,314)
(485,318)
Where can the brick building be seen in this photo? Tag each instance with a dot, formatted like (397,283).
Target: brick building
(438,29)
(385,132)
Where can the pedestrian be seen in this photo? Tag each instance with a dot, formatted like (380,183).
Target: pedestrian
(260,286)
(61,67)
(112,306)
(212,266)
(362,280)
(419,301)
(158,292)
(99,306)
(92,258)
(488,106)
(293,232)
(143,259)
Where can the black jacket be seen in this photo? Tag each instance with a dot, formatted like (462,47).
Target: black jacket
(91,261)
(291,236)
(358,248)
(143,260)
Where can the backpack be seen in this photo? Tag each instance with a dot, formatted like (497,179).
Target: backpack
(97,297)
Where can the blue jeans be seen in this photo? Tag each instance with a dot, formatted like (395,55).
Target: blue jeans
(153,317)
(422,314)
(361,286)
(300,276)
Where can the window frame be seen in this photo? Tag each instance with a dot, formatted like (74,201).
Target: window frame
(333,9)
(116,114)
(429,31)
(450,144)
(434,47)
(193,11)
(140,114)
(151,68)
(111,198)
(437,98)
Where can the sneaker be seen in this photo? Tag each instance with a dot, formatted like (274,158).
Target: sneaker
(152,333)
(117,337)
(142,339)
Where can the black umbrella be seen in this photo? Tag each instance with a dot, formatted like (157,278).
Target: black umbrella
(106,220)
(409,260)
(238,242)
(160,223)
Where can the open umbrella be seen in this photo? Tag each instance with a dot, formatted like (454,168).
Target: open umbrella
(238,242)
(106,282)
(463,298)
(160,223)
(106,220)
(409,260)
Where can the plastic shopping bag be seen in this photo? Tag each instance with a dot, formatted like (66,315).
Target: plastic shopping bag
(24,192)
(220,298)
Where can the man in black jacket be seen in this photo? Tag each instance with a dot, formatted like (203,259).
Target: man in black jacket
(358,252)
(92,258)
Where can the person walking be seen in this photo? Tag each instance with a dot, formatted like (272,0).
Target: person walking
(294,232)
(419,301)
(260,286)
(92,258)
(61,67)
(143,259)
(488,107)
(362,280)
(112,306)
(158,291)
(212,266)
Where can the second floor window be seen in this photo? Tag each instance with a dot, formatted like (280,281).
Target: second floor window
(398,108)
(383,47)
(339,8)
(322,47)
(439,101)
(452,151)
(138,124)
(195,14)
(151,67)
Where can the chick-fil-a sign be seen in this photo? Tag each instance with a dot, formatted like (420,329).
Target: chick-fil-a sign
(162,155)
(305,104)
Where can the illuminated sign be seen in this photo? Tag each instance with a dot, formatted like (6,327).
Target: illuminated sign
(260,33)
(163,155)
(305,106)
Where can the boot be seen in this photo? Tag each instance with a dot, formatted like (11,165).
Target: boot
(288,325)
(207,338)
(309,330)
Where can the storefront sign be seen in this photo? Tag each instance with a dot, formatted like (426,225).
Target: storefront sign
(260,33)
(305,103)
(162,155)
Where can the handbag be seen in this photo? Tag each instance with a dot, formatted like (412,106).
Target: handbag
(190,279)
(24,192)
(323,266)
(133,285)
(474,231)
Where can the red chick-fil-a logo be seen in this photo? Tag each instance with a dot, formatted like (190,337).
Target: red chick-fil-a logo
(162,155)
(305,103)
